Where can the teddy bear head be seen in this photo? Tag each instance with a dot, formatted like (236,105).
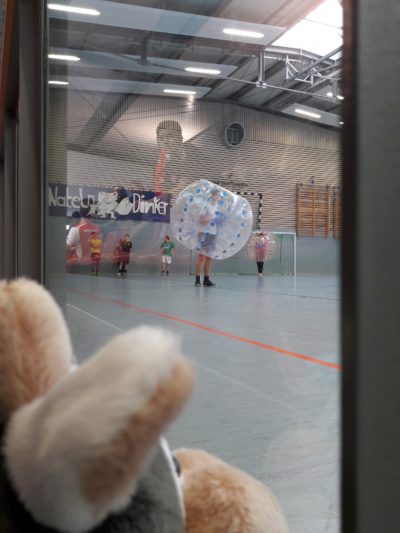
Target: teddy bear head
(77,442)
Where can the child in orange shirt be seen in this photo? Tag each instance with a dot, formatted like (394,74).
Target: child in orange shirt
(95,252)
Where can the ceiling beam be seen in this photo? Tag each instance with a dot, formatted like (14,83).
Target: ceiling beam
(250,86)
(136,17)
(313,65)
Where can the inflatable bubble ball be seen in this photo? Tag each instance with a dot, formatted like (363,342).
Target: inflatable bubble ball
(261,246)
(211,220)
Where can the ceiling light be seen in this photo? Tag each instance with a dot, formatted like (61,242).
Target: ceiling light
(243,33)
(72,9)
(341,123)
(198,70)
(307,113)
(179,91)
(63,57)
(331,95)
(58,82)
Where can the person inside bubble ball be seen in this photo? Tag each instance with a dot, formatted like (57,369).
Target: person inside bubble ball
(209,221)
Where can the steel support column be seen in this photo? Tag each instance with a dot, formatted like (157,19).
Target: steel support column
(30,175)
(371,267)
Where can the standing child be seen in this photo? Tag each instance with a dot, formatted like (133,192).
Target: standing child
(260,249)
(125,247)
(95,252)
(166,254)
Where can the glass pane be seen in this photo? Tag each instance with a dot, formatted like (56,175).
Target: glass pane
(189,146)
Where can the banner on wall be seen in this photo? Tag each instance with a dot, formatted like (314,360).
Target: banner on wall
(107,203)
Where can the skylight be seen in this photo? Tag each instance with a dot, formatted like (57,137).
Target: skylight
(320,32)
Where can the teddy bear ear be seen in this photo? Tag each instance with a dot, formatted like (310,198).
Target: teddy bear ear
(35,347)
(75,456)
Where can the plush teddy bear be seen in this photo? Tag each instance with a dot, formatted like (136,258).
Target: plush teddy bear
(81,446)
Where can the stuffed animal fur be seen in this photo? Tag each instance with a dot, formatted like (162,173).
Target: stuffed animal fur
(236,502)
(81,446)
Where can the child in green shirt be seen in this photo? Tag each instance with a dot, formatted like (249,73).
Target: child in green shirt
(166,254)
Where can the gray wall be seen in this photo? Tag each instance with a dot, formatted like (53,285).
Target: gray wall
(318,256)
(276,153)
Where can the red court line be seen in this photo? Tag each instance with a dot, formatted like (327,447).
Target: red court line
(231,336)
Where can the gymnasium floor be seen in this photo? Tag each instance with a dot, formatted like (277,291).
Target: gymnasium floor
(266,354)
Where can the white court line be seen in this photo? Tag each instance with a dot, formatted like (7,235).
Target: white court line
(96,318)
(203,367)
